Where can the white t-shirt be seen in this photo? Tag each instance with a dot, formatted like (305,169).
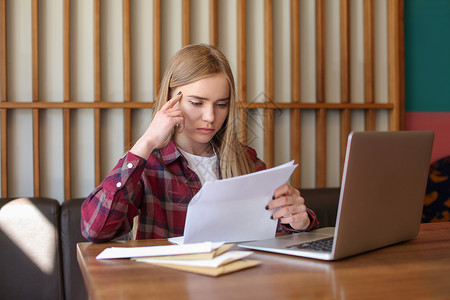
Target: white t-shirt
(205,167)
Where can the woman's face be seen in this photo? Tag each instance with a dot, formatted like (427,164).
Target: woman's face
(205,106)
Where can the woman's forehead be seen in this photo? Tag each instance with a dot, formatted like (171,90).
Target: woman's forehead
(216,86)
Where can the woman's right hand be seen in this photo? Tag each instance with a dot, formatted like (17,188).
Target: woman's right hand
(160,128)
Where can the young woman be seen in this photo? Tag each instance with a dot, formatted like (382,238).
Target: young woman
(191,139)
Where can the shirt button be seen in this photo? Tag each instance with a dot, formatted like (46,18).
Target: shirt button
(119,184)
(129,165)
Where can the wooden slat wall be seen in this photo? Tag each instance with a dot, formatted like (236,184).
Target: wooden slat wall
(321,107)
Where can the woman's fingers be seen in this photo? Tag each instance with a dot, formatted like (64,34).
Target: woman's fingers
(172,102)
(289,207)
(172,111)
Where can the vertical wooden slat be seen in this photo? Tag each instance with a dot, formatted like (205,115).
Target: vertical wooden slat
(67,156)
(320,51)
(320,91)
(346,124)
(242,71)
(321,147)
(66,114)
(36,154)
(97,90)
(97,145)
(401,62)
(268,84)
(35,92)
(127,73)
(369,62)
(126,50)
(345,78)
(3,98)
(3,50)
(395,68)
(295,90)
(97,51)
(213,23)
(66,49)
(4,144)
(156,46)
(393,62)
(186,22)
(35,49)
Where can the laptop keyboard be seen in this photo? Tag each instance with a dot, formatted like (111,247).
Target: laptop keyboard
(319,245)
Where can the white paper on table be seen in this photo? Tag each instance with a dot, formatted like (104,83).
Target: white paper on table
(177,240)
(128,252)
(227,257)
(233,209)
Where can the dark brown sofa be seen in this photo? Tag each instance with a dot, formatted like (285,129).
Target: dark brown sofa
(38,238)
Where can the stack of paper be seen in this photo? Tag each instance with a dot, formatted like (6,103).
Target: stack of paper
(212,259)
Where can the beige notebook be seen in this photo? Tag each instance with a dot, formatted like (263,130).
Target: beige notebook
(217,262)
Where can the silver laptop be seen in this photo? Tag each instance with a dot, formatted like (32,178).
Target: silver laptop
(381,199)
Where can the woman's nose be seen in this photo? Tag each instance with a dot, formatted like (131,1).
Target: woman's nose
(208,114)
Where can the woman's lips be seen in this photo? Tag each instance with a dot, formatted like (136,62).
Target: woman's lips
(205,130)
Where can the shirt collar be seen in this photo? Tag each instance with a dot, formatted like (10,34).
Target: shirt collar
(170,153)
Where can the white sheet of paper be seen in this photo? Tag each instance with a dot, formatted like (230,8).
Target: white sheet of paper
(227,257)
(128,252)
(178,240)
(233,209)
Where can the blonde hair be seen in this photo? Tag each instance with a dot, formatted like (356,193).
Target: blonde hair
(193,63)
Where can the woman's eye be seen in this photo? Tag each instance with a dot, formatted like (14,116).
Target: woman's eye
(195,103)
(222,105)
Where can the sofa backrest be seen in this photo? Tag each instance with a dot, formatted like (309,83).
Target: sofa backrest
(324,202)
(70,236)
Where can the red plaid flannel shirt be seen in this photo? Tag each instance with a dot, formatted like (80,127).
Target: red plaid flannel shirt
(158,189)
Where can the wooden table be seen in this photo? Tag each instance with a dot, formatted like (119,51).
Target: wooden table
(417,269)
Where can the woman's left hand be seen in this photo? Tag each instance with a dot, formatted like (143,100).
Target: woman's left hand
(291,207)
